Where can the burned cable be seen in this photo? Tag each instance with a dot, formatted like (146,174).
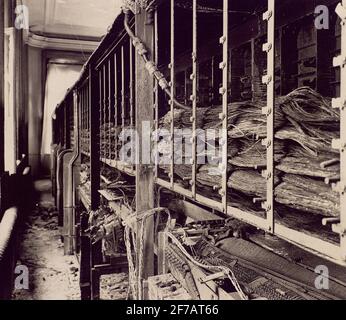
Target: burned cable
(150,65)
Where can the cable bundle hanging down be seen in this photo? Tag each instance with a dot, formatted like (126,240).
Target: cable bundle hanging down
(133,236)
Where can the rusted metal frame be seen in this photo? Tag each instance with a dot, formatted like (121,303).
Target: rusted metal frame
(116,105)
(269,111)
(123,101)
(193,98)
(156,93)
(109,110)
(172,84)
(224,40)
(340,103)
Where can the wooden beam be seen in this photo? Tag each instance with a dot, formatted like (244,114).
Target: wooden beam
(145,112)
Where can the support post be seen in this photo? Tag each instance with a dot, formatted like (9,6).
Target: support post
(10,114)
(194,78)
(156,105)
(340,103)
(172,84)
(269,111)
(116,111)
(144,112)
(224,116)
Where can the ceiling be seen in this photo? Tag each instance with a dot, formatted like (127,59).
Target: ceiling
(72,19)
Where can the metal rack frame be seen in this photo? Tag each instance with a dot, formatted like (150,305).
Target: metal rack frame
(93,95)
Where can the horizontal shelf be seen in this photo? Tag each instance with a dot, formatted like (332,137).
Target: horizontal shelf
(119,166)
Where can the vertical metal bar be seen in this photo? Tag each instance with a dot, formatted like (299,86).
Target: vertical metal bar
(172,66)
(193,98)
(212,98)
(132,122)
(343,136)
(83,111)
(84,103)
(116,105)
(100,120)
(269,111)
(94,92)
(104,145)
(80,93)
(122,92)
(83,93)
(224,116)
(87,107)
(83,107)
(10,115)
(156,106)
(341,103)
(109,112)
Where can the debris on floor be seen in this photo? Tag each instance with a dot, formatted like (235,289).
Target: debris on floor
(52,276)
(114,287)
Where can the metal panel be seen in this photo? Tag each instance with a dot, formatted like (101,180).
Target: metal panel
(269,80)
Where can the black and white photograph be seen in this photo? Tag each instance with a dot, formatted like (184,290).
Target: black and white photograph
(174,155)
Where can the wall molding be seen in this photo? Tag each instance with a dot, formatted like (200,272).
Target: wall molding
(44,42)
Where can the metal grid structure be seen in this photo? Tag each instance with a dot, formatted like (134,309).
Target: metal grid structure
(323,248)
(110,89)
